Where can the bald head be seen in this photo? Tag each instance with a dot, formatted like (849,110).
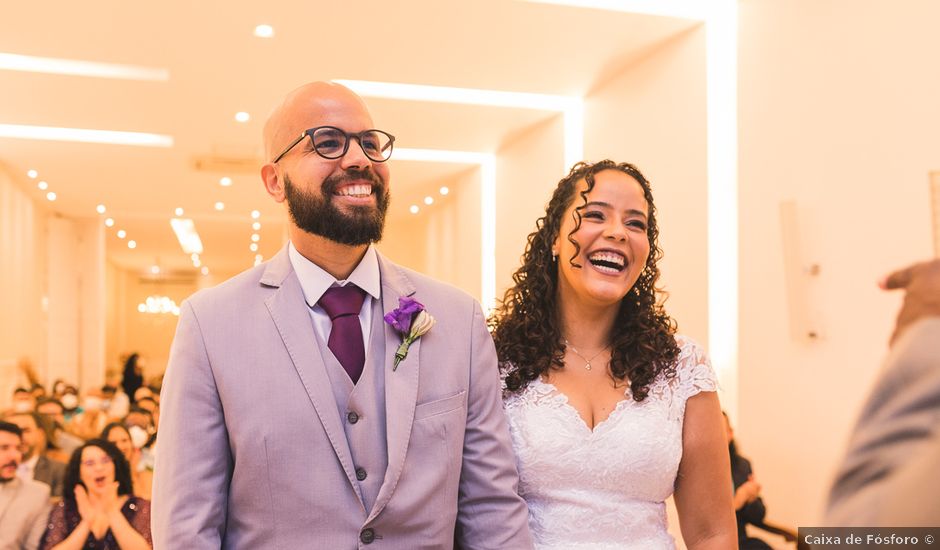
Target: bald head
(313,104)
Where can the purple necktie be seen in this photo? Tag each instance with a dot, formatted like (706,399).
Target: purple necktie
(342,304)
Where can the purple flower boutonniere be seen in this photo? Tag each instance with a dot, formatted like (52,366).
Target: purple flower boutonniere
(411,321)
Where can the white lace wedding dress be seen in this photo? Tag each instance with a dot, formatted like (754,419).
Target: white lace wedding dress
(604,489)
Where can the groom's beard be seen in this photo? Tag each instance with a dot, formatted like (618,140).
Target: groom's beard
(318,215)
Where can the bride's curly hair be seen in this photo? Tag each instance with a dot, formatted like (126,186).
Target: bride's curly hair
(526,324)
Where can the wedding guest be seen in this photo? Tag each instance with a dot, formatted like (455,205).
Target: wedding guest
(98,510)
(24,503)
(133,375)
(141,476)
(36,463)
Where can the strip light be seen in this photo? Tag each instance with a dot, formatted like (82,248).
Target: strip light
(74,67)
(83,135)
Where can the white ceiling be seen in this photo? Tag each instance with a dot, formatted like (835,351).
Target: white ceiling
(218,67)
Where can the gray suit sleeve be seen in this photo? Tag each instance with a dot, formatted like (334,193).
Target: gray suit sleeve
(193,468)
(38,522)
(899,425)
(490,512)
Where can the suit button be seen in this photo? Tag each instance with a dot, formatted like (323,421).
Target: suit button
(361,474)
(367,536)
(352,417)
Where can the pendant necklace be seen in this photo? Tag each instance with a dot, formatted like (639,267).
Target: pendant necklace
(587,362)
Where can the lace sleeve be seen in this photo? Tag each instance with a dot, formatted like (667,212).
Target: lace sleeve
(140,518)
(58,528)
(694,373)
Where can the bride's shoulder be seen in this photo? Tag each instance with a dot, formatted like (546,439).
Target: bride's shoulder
(694,372)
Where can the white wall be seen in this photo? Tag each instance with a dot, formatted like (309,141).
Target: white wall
(839,114)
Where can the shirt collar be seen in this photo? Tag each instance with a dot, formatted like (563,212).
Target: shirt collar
(314,281)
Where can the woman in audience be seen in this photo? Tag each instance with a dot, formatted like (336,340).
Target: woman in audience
(609,411)
(133,375)
(748,506)
(98,510)
(142,477)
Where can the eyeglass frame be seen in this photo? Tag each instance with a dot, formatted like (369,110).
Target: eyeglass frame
(349,136)
(91,462)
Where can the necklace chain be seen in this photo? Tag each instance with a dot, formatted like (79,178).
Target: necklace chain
(587,362)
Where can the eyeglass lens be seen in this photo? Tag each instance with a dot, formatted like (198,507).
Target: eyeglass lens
(332,143)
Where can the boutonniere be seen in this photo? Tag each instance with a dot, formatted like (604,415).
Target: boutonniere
(411,321)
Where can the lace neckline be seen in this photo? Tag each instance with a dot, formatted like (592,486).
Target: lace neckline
(561,399)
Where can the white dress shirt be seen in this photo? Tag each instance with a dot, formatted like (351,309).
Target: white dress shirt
(314,281)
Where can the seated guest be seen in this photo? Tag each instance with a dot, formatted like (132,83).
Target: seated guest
(24,503)
(143,430)
(142,477)
(36,464)
(54,410)
(70,401)
(23,400)
(89,423)
(150,404)
(98,510)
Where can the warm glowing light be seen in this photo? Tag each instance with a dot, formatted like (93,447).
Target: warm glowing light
(178,211)
(121,233)
(259,257)
(242,116)
(158,304)
(204,270)
(131,244)
(414,209)
(444,190)
(185,230)
(264,31)
(75,67)
(42,185)
(155,269)
(429,200)
(255,237)
(109,222)
(225,181)
(255,214)
(32,174)
(84,135)
(194,257)
(51,195)
(101,209)
(256,226)
(220,206)
(253,247)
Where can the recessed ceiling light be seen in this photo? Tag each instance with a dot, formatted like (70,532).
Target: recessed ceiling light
(51,195)
(259,258)
(204,270)
(256,226)
(186,234)
(178,211)
(131,244)
(100,208)
(32,174)
(253,247)
(255,214)
(264,31)
(42,185)
(220,206)
(428,200)
(414,209)
(255,237)
(155,269)
(109,222)
(225,181)
(444,190)
(121,233)
(242,116)
(194,257)
(197,262)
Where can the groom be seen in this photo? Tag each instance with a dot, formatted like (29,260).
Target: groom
(287,421)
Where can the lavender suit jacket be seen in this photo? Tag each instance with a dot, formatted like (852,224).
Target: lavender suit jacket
(253,453)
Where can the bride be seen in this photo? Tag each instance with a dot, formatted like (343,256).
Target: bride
(610,412)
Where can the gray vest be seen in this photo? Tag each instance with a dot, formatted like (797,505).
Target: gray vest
(362,408)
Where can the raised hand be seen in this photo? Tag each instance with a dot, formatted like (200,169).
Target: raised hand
(922,299)
(86,509)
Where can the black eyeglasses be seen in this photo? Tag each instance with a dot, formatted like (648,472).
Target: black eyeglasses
(332,143)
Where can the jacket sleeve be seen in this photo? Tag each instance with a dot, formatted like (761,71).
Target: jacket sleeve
(490,512)
(193,468)
(897,428)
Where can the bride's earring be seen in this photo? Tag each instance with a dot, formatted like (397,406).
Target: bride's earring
(554,256)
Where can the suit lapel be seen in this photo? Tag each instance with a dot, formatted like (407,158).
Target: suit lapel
(289,312)
(401,385)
